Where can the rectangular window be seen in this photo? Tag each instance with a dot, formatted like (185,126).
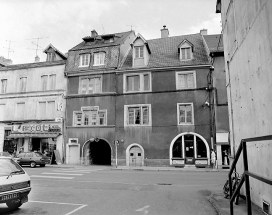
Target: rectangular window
(20,111)
(185,53)
(90,85)
(52,82)
(138,115)
(185,80)
(46,110)
(84,60)
(50,56)
(137,82)
(90,117)
(44,82)
(23,81)
(4,85)
(99,58)
(139,52)
(185,114)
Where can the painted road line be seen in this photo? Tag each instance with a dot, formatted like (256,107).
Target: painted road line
(59,173)
(56,177)
(72,171)
(61,203)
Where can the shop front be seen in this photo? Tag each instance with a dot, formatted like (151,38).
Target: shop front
(40,137)
(189,149)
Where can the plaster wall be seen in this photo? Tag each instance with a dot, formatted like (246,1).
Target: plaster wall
(248,65)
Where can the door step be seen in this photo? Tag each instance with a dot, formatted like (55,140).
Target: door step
(190,166)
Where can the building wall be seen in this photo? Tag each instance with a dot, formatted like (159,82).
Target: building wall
(247,28)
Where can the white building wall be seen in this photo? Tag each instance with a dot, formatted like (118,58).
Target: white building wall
(247,29)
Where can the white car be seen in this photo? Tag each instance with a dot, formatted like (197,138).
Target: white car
(14,183)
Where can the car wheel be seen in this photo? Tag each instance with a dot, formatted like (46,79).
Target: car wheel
(32,164)
(14,204)
(42,165)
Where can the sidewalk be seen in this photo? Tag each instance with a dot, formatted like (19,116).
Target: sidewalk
(222,205)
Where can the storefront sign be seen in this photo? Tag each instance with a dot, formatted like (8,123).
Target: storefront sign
(36,128)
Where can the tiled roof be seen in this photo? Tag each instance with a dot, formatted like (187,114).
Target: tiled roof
(118,39)
(164,52)
(32,65)
(214,42)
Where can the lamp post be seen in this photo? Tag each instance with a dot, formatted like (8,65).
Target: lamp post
(116,142)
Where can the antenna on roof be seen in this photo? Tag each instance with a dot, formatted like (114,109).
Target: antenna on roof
(132,26)
(103,29)
(37,44)
(9,49)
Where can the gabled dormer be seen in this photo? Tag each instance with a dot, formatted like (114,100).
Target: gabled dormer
(53,54)
(186,50)
(140,51)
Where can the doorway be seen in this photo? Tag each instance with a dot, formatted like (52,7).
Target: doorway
(99,153)
(189,149)
(135,156)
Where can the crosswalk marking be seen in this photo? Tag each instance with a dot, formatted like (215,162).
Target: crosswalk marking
(59,173)
(45,176)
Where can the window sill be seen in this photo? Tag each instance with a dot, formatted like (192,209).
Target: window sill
(138,125)
(83,66)
(186,124)
(139,91)
(99,65)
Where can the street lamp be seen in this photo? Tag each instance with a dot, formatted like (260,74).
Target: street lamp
(116,143)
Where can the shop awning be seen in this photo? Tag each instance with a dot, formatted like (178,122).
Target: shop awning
(33,135)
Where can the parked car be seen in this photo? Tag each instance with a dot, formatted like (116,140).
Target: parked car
(14,183)
(32,159)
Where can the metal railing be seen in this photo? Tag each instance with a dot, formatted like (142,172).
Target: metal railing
(246,174)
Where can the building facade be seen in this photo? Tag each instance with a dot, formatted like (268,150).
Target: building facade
(247,31)
(139,102)
(32,105)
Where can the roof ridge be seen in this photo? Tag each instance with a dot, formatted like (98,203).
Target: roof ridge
(174,36)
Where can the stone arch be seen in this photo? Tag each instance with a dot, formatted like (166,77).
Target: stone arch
(184,133)
(127,152)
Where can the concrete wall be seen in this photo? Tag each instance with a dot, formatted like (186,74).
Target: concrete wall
(247,28)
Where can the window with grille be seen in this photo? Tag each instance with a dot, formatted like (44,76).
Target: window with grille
(185,114)
(185,80)
(84,60)
(90,85)
(138,115)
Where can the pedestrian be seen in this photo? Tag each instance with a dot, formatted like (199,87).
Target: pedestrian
(213,159)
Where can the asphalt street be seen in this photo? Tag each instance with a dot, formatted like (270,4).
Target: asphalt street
(100,190)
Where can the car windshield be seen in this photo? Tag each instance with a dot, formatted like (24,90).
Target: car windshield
(8,166)
(5,154)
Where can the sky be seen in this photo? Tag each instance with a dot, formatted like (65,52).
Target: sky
(64,23)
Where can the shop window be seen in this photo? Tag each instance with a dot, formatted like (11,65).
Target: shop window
(201,148)
(177,148)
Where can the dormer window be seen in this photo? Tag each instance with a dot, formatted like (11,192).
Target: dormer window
(185,50)
(84,60)
(50,56)
(99,58)
(139,51)
(185,54)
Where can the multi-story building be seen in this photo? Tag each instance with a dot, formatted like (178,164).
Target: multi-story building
(247,31)
(144,102)
(91,96)
(32,104)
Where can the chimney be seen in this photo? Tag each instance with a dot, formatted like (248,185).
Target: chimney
(204,31)
(164,32)
(37,59)
(94,33)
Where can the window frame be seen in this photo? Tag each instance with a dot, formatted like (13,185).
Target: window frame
(4,86)
(22,87)
(126,115)
(178,114)
(90,77)
(185,73)
(50,56)
(22,115)
(99,54)
(90,121)
(80,59)
(138,52)
(141,82)
(39,115)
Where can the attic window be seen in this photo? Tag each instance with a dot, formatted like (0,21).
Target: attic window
(186,53)
(50,56)
(139,51)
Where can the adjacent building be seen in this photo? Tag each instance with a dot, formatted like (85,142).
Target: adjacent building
(247,30)
(32,105)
